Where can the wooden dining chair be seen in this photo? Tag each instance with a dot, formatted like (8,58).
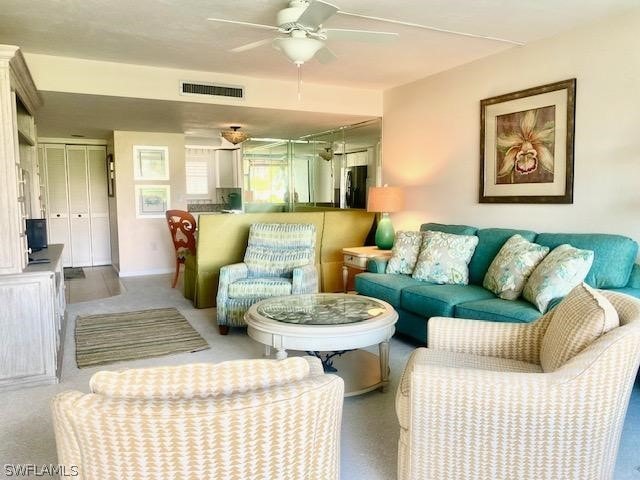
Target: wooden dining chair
(182,226)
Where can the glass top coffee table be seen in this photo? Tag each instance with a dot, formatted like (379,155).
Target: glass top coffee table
(332,326)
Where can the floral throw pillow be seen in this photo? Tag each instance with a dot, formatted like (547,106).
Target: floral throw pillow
(406,247)
(560,271)
(444,258)
(512,266)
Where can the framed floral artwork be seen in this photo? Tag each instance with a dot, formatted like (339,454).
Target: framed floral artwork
(526,145)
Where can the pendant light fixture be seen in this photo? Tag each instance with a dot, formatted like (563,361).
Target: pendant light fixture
(233,135)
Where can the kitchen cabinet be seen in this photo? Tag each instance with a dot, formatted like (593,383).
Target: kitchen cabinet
(228,169)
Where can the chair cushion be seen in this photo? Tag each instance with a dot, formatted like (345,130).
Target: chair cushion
(431,300)
(560,271)
(406,247)
(199,380)
(275,249)
(384,286)
(498,310)
(614,255)
(444,358)
(444,258)
(580,319)
(490,241)
(260,287)
(510,269)
(455,229)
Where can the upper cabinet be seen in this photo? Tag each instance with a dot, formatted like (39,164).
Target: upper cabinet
(19,194)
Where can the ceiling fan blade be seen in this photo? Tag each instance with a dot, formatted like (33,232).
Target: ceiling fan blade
(428,27)
(251,46)
(359,35)
(325,55)
(316,13)
(248,24)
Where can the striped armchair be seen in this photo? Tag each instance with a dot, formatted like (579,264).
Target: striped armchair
(546,400)
(237,420)
(279,260)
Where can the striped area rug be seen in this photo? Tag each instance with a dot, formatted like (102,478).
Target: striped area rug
(115,337)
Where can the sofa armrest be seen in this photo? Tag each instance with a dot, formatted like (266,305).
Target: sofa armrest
(517,341)
(634,279)
(305,280)
(377,265)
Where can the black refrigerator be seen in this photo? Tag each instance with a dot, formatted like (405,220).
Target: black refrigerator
(356,187)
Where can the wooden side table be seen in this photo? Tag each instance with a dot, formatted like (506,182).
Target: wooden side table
(356,258)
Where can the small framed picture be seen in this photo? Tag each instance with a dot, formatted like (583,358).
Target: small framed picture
(111,175)
(526,145)
(150,162)
(152,201)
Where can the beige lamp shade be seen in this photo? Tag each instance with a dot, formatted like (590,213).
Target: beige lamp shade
(385,199)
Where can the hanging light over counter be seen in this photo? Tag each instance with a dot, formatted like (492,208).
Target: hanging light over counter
(234,135)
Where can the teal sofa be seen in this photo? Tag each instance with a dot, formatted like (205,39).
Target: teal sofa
(613,268)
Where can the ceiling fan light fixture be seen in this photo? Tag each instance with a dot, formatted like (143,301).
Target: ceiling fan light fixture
(298,48)
(326,154)
(234,136)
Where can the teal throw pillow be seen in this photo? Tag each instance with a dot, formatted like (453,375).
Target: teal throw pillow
(406,247)
(511,267)
(560,271)
(444,258)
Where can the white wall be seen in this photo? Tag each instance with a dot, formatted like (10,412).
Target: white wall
(75,75)
(431,133)
(145,245)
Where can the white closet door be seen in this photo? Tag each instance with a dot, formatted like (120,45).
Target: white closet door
(57,199)
(99,206)
(79,206)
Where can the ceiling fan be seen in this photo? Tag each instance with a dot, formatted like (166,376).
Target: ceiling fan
(303,35)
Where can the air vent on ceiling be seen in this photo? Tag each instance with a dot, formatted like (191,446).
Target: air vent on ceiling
(211,89)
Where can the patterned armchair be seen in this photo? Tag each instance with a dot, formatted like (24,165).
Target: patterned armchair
(279,260)
(492,400)
(237,420)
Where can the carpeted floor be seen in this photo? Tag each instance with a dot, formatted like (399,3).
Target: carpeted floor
(107,338)
(369,426)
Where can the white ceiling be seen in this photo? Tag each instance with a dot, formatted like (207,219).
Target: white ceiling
(94,116)
(175,33)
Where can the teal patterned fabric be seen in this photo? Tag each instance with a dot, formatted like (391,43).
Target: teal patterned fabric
(490,241)
(634,279)
(385,286)
(445,228)
(377,265)
(275,249)
(511,268)
(404,254)
(439,300)
(498,310)
(258,287)
(560,271)
(444,258)
(279,260)
(614,255)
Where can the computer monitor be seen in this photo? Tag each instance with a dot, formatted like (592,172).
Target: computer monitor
(36,233)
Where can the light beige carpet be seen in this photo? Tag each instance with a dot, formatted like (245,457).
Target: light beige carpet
(115,337)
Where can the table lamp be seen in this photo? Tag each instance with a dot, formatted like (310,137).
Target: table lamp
(385,200)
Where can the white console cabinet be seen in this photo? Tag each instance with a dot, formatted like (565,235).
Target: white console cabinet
(32,302)
(33,321)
